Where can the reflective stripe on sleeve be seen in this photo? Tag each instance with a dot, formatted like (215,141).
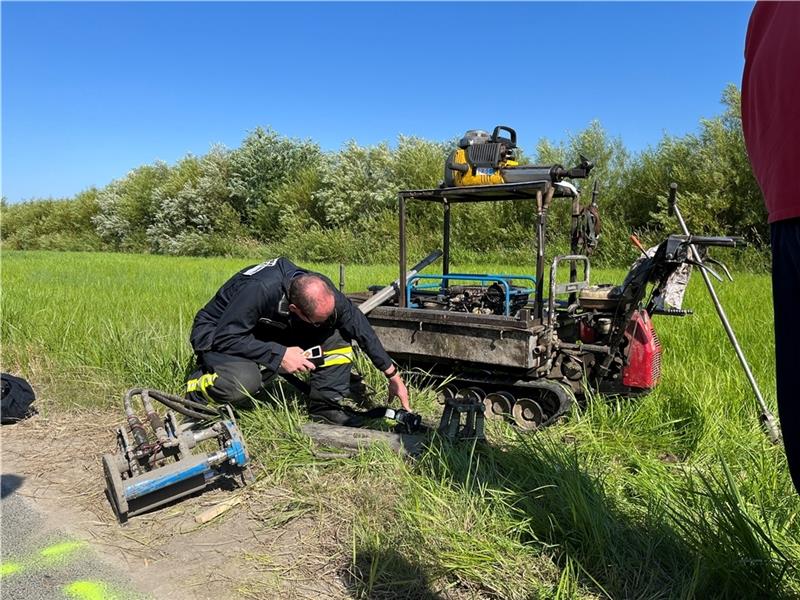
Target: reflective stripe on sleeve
(338,356)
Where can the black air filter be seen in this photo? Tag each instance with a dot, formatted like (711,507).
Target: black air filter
(483,156)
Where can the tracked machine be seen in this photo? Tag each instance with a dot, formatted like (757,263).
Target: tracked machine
(525,347)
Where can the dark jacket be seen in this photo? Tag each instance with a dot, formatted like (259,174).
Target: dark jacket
(249,317)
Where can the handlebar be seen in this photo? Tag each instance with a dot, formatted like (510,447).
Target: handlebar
(673,190)
(699,240)
(676,247)
(720,241)
(513,135)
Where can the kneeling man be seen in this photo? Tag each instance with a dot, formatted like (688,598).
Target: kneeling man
(262,320)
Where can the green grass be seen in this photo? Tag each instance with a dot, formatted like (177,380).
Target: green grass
(675,495)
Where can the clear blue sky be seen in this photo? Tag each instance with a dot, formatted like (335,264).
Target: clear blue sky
(92,90)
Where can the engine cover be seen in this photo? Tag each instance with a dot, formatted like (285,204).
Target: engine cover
(643,356)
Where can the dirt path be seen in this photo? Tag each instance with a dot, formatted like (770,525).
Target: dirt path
(53,464)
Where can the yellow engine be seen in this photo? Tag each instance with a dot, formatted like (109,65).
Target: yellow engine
(491,159)
(479,158)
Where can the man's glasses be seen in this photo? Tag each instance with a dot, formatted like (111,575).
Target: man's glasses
(328,322)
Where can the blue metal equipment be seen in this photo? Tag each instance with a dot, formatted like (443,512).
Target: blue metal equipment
(486,301)
(148,471)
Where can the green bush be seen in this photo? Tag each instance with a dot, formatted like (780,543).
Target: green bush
(264,161)
(52,224)
(127,207)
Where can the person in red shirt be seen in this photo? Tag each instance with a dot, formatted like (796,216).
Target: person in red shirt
(771,124)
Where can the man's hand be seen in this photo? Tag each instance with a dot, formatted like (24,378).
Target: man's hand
(294,361)
(398,388)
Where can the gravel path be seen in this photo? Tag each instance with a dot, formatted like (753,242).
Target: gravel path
(40,561)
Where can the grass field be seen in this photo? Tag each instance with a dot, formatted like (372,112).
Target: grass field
(675,495)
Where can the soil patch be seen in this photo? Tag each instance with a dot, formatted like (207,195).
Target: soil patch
(54,458)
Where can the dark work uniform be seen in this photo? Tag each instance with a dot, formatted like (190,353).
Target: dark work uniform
(771,124)
(241,335)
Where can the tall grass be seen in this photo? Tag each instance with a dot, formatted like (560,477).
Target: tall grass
(675,495)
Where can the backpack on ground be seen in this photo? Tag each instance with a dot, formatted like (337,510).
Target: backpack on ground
(16,398)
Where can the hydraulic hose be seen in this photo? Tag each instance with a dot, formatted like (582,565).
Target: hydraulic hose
(186,407)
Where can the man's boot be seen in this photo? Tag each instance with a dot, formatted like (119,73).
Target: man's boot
(333,413)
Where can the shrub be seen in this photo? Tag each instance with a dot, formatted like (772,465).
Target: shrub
(52,224)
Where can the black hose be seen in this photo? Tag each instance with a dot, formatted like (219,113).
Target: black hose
(161,396)
(178,404)
(297,383)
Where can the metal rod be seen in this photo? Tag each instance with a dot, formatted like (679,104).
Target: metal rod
(446,243)
(341,277)
(401,300)
(538,309)
(390,290)
(595,189)
(771,426)
(573,267)
(542,204)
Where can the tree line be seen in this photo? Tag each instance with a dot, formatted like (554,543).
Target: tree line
(279,195)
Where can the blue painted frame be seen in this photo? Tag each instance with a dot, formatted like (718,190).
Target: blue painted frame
(504,280)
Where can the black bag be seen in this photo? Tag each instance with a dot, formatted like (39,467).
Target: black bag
(16,397)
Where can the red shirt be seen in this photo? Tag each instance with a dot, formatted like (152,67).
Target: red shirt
(771,104)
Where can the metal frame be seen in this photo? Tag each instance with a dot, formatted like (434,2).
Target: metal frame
(542,192)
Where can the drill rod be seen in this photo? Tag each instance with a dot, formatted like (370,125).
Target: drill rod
(395,288)
(767,418)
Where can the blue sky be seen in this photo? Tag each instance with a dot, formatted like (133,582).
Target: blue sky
(92,90)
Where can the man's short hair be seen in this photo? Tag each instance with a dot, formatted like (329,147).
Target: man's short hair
(302,293)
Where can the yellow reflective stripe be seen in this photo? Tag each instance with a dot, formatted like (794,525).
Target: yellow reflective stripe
(346,350)
(207,380)
(337,360)
(201,384)
(338,356)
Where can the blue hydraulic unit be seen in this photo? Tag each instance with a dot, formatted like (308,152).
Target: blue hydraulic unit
(481,293)
(151,469)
